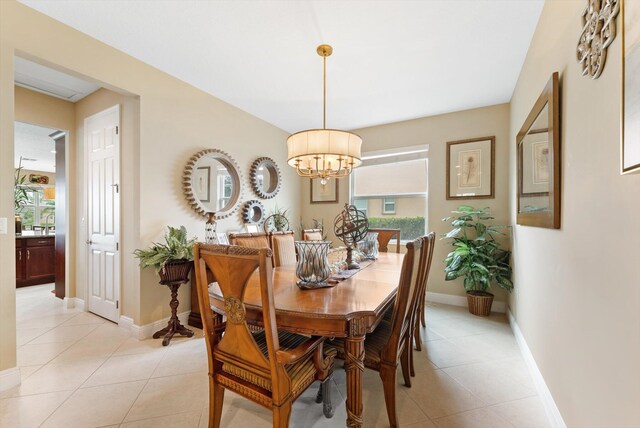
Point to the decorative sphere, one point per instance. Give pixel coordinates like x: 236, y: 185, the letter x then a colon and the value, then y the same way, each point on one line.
x: 351, y: 225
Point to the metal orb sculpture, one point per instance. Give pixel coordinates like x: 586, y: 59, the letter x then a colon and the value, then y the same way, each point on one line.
x: 351, y: 226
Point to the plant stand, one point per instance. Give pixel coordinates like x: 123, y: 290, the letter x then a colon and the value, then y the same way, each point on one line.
x: 173, y: 275
x: 173, y: 326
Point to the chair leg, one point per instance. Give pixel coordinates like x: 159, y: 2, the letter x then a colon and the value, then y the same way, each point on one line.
x: 281, y: 415
x: 422, y: 316
x: 325, y: 390
x: 416, y: 335
x: 388, y: 376
x: 405, y: 362
x: 216, y: 398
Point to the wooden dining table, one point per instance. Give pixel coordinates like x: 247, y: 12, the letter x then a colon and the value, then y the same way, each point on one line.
x: 351, y: 309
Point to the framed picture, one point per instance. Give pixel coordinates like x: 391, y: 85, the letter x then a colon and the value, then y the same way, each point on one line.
x: 222, y: 238
x: 202, y: 183
x: 252, y: 228
x: 324, y: 193
x: 534, y: 167
x: 630, y: 150
x: 38, y: 179
x: 471, y: 168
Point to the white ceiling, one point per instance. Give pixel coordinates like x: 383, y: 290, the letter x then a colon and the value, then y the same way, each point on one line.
x: 33, y: 143
x: 392, y: 61
x: 51, y: 82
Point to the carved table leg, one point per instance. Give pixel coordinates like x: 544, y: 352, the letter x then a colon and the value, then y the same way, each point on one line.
x: 354, y: 363
x: 173, y: 326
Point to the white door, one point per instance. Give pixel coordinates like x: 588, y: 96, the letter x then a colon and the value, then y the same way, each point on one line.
x: 102, y: 145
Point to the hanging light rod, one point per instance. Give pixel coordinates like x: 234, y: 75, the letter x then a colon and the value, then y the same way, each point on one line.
x: 324, y: 153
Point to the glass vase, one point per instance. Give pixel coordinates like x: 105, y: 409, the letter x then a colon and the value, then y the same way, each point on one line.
x: 369, y: 246
x: 312, y: 269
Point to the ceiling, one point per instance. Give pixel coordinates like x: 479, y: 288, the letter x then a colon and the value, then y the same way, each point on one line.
x: 33, y: 143
x: 392, y: 60
x: 51, y: 82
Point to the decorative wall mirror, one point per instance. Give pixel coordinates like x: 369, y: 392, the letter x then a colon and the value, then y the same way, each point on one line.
x: 265, y: 177
x: 538, y: 163
x: 253, y: 212
x: 212, y: 182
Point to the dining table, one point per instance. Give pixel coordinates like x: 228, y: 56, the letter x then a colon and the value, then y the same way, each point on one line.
x: 350, y: 309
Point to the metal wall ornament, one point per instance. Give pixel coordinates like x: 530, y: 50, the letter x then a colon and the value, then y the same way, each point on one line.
x: 253, y: 212
x: 227, y: 183
x: 265, y: 177
x: 598, y: 32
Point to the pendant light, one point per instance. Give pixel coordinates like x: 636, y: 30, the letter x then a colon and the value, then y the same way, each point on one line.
x: 324, y: 153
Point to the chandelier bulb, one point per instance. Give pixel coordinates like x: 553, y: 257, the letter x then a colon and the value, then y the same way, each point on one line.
x: 323, y: 181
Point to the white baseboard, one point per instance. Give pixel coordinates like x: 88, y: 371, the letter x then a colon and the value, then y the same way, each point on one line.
x: 142, y: 332
x: 9, y: 378
x: 553, y: 413
x: 450, y: 299
x: 73, y: 302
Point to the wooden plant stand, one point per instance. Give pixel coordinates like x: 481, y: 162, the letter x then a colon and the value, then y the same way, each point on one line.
x: 174, y: 276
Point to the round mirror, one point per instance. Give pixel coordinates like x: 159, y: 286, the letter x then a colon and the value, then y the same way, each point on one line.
x: 212, y: 183
x: 265, y: 177
x: 253, y: 212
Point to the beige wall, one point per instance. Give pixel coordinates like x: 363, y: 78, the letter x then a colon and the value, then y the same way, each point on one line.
x: 577, y: 295
x: 405, y: 207
x: 436, y: 131
x: 176, y: 120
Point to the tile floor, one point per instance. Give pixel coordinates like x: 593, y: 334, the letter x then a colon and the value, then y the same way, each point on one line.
x: 79, y: 370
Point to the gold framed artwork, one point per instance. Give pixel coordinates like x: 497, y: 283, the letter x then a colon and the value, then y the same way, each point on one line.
x: 630, y: 138
x: 38, y: 179
x: 471, y: 168
x: 324, y: 193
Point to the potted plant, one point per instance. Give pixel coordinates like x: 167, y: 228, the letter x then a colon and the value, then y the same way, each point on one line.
x: 477, y: 257
x: 21, y: 194
x: 173, y: 259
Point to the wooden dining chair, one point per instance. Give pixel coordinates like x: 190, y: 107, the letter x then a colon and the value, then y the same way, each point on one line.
x: 384, y: 236
x: 312, y: 235
x: 284, y: 248
x: 270, y: 367
x: 253, y: 240
x: 390, y: 343
x: 419, y: 304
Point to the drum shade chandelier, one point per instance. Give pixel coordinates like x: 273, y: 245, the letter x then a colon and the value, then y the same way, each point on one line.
x: 324, y: 153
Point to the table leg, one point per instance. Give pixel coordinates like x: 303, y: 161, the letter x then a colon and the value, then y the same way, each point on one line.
x: 354, y: 363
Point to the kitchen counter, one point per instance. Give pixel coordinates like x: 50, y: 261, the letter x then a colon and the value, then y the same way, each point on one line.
x: 51, y: 235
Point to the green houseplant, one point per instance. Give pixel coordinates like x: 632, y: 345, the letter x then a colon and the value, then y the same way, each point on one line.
x: 172, y: 259
x: 21, y: 191
x: 477, y: 257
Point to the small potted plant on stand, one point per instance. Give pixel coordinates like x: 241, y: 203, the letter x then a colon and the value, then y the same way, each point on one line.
x: 173, y: 261
x: 477, y: 257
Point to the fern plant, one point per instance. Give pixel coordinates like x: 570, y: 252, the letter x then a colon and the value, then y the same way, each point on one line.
x: 477, y: 255
x: 21, y: 188
x: 175, y: 248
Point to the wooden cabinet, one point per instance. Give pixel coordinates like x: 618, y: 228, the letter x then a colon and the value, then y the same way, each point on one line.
x: 35, y: 260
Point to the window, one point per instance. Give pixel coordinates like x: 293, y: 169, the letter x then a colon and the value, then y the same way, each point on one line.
x: 388, y: 206
x: 362, y: 205
x: 35, y: 211
x: 225, y: 189
x: 391, y: 188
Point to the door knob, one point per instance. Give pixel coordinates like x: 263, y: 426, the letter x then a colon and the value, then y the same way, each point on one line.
x: 89, y: 242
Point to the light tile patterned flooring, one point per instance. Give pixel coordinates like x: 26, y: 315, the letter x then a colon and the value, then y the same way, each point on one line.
x: 79, y: 370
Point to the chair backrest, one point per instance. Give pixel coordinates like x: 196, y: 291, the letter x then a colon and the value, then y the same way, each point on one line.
x: 252, y: 240
x: 233, y: 266
x: 312, y: 235
x: 426, y: 256
x: 384, y: 236
x: 402, y: 310
x: 284, y: 248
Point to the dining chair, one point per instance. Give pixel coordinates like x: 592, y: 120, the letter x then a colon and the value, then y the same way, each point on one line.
x: 284, y: 248
x: 270, y: 367
x: 312, y: 235
x: 421, y: 293
x: 253, y: 240
x: 384, y: 236
x: 390, y: 343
